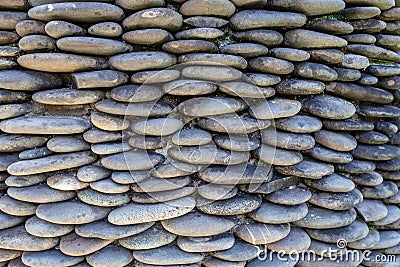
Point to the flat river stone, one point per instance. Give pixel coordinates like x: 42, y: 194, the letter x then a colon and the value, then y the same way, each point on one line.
x: 309, y: 39
x: 329, y: 107
x: 18, y: 239
x: 66, y: 96
x: 320, y: 218
x: 206, y: 244
x: 28, y: 80
x: 240, y: 204
x: 39, y: 194
x: 253, y: 19
x: 60, y: 62
x: 38, y: 227
x: 83, y: 12
x: 196, y: 224
x: 136, y: 61
x: 132, y: 160
x: 163, y: 18
x: 336, y: 141
x: 74, y: 245
x: 71, y: 212
x: 52, y: 257
x: 52, y: 163
x: 15, y: 143
x: 140, y: 213
x: 258, y: 233
x: 278, y: 214
x: 206, y: 106
x: 360, y: 93
x: 110, y: 255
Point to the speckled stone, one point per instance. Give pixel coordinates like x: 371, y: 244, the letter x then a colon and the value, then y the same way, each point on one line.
x: 74, y: 245
x: 70, y: 213
x: 241, y: 251
x: 139, y: 213
x: 292, y: 195
x: 307, y: 169
x: 15, y: 207
x: 52, y: 257
x: 41, y: 228
x: 240, y: 204
x: 154, y: 237
x: 39, y: 194
x: 336, y: 201
x: 258, y: 233
x: 367, y: 242
x: 372, y: 210
x: 163, y: 18
x: 299, y: 124
x: 320, y: 218
x: 332, y: 183
x: 336, y: 141
x: 277, y: 214
x: 328, y: 155
x: 196, y: 224
x: 167, y: 255
x: 384, y: 190
x: 8, y: 221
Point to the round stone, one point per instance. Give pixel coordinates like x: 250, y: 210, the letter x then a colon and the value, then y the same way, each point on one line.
x: 167, y: 255
x: 163, y: 18
x: 136, y: 61
x: 316, y: 71
x: 241, y: 251
x: 332, y: 183
x: 328, y: 155
x: 300, y: 87
x: 70, y: 213
x: 52, y: 257
x: 191, y: 137
x: 212, y: 73
x: 60, y: 28
x: 41, y: 228
x: 189, y: 46
x: 300, y: 38
x: 154, y: 237
x: 336, y: 201
x: 297, y: 240
x: 140, y: 213
x: 245, y: 49
x: 336, y: 141
x: 320, y: 218
x: 93, y: 197
x: 307, y: 169
x: 277, y: 214
x: 106, y: 29
x: 111, y: 255
x: 299, y: 124
x: 74, y: 245
x: 157, y: 127
x: 329, y: 107
x: 207, y: 106
x: 15, y: 207
x: 132, y: 161
x: 259, y: 233
x: 372, y: 210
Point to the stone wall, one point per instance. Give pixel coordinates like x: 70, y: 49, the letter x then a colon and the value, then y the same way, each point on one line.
x: 195, y: 133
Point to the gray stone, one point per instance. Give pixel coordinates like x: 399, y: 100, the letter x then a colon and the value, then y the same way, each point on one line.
x: 236, y: 174
x: 136, y: 61
x: 311, y: 7
x: 237, y: 142
x: 106, y: 29
x: 316, y: 71
x: 384, y: 190
x: 285, y: 140
x: 155, y: 76
x: 331, y: 26
x: 319, y: 218
x: 147, y: 37
x: 360, y: 93
x: 263, y: 79
x: 189, y: 46
x: 22, y: 80
x: 245, y: 49
x: 51, y: 257
x: 66, y: 96
x: 387, y: 239
x: 275, y: 108
x: 108, y: 186
x: 307, y: 169
x: 259, y: 233
x: 348, y: 75
x: 332, y: 183
x: 290, y: 54
x: 300, y: 87
x: 159, y: 185
x: 7, y: 37
x: 99, y: 79
x: 189, y: 87
x: 142, y: 109
x: 392, y: 216
x: 157, y: 126
x: 214, y: 59
x: 352, y: 232
x: 18, y: 239
x: 368, y: 25
x: 162, y: 196
x: 217, y: 192
x: 15, y: 143
x: 214, y: 262
x: 376, y: 152
x: 67, y: 144
x: 383, y: 70
x: 292, y: 195
x: 15, y: 207
x: 99, y: 136
x: 367, y: 242
x: 8, y: 97
x: 105, y: 230
x: 41, y: 228
x: 174, y: 169
x: 212, y: 73
x: 371, y: 210
x: 140, y: 213
x: 264, y: 37
x: 70, y: 213
x: 163, y: 18
x: 367, y: 12
x: 132, y: 160
x: 51, y: 163
x: 59, y: 29
x: 384, y: 111
x: 336, y: 141
x: 39, y: 194
x: 27, y: 180
x: 278, y: 157
x: 93, y: 197
x: 329, y: 155
x: 357, y: 166
x: 253, y: 19
x: 372, y: 138
x: 27, y: 27
x: 223, y: 8
x: 246, y: 90
x: 309, y: 39
x: 200, y: 33
x: 92, y: 173
x: 299, y: 124
x: 206, y: 106
x: 329, y: 107
x: 297, y: 240
x: 271, y: 65
x: 110, y: 148
x: 348, y: 125
x: 233, y: 125
x: 206, y: 244
x: 374, y: 52
x: 327, y: 56
x: 130, y: 177
x: 361, y: 38
x: 110, y: 255
x: 154, y: 237
x: 240, y: 204
x: 204, y: 21
x: 60, y: 62
x: 78, y: 12
x: 8, y: 221
x: 8, y: 255
x: 167, y: 255
x: 74, y: 245
x: 367, y: 79
x: 32, y: 43
x: 367, y: 179
x: 336, y: 201
x: 278, y: 214
x: 241, y: 251
x: 139, y: 4
x: 196, y: 224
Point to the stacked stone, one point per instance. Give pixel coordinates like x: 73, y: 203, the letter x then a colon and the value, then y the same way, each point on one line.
x: 197, y: 133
